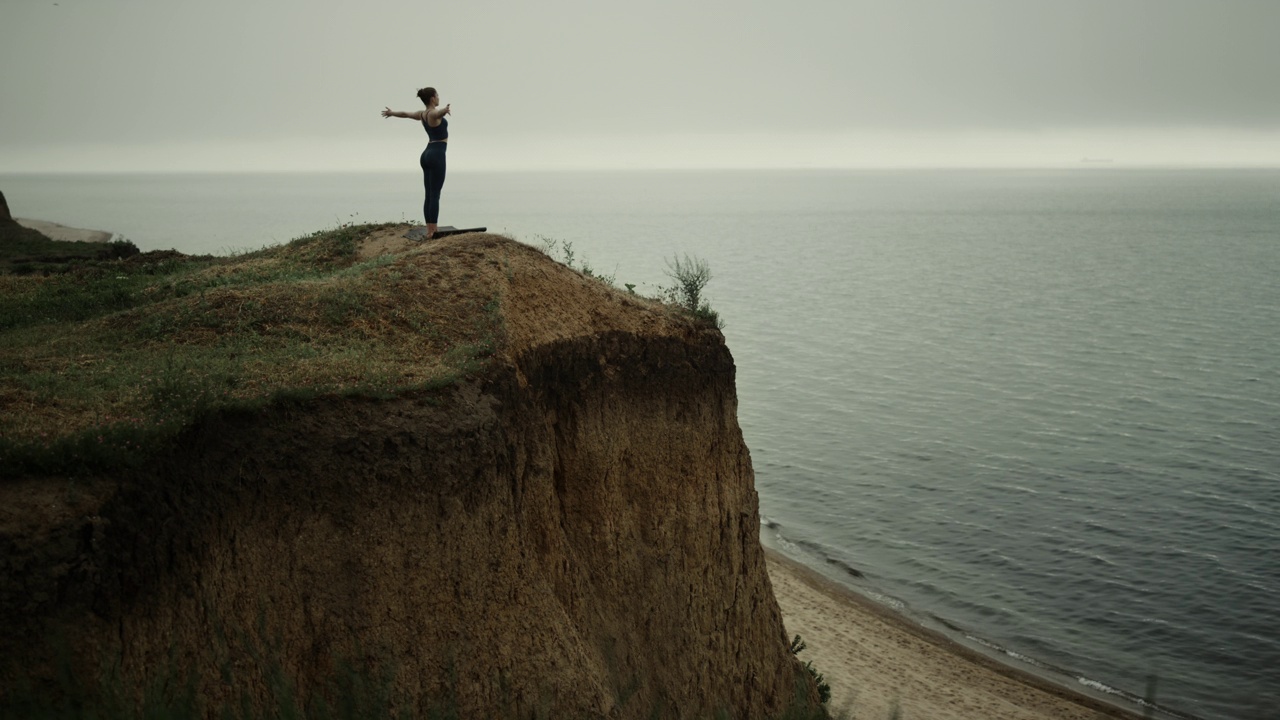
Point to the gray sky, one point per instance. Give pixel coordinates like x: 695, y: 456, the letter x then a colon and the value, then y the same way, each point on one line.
x: 178, y: 85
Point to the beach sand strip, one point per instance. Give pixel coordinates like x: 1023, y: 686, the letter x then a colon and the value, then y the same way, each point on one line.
x: 876, y: 660
x: 54, y: 231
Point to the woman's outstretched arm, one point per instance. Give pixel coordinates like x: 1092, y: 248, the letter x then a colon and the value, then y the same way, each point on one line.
x: 438, y: 113
x: 415, y: 115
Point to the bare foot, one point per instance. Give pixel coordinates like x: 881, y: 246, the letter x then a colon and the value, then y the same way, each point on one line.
x: 431, y: 230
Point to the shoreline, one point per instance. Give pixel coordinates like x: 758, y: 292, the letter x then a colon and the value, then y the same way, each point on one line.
x: 65, y: 233
x: 876, y: 659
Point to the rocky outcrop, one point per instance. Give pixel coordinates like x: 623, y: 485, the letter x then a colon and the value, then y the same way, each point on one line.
x: 572, y: 530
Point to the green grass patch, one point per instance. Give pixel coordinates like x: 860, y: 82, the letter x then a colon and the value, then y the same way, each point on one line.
x: 102, y: 366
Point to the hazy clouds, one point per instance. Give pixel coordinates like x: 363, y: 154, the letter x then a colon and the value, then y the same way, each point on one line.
x: 145, y: 84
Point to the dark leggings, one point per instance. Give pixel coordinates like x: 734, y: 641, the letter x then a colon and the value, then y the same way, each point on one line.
x: 432, y: 162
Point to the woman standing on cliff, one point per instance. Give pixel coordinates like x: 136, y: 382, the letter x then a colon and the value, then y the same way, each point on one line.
x: 432, y: 160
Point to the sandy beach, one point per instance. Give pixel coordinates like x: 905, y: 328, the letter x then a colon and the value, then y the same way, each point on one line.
x: 54, y: 231
x: 875, y: 660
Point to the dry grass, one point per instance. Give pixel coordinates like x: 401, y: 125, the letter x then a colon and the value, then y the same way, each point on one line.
x: 119, y: 347
x: 102, y: 363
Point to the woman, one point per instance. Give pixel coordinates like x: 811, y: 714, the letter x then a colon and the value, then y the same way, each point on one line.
x: 432, y: 160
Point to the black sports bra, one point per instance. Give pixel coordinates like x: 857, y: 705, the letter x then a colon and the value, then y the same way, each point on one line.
x: 441, y: 132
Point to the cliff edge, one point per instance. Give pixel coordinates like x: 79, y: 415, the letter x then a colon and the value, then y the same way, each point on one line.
x: 30, y: 246
x: 544, y: 506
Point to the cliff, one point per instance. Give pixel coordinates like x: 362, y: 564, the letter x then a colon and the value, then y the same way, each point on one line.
x: 10, y: 231
x: 29, y: 248
x: 545, y: 506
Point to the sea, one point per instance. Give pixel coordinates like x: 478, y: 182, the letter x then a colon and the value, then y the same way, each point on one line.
x: 1036, y: 409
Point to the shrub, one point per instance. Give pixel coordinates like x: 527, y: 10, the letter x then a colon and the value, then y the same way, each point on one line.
x: 691, y: 276
x: 824, y: 689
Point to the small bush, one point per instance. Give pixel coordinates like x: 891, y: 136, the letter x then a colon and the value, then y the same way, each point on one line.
x: 590, y: 272
x: 563, y: 252
x: 691, y: 276
x: 824, y: 689
x: 120, y: 249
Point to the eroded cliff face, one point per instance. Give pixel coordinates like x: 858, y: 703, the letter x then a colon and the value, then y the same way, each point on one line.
x: 572, y: 530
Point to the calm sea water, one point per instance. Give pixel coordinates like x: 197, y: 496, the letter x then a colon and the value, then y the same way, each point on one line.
x: 1041, y: 408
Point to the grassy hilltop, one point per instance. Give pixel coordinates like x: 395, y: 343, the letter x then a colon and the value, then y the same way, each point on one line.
x: 100, y: 360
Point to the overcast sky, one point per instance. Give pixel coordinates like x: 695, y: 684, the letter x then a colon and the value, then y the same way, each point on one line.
x: 177, y: 85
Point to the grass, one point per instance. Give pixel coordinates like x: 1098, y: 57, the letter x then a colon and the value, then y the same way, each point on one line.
x: 104, y: 363
x: 690, y: 275
x: 25, y: 251
x: 824, y: 688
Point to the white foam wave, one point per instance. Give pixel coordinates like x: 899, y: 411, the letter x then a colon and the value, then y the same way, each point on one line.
x: 1095, y: 685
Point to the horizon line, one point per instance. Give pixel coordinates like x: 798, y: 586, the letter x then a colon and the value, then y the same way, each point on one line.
x: 1093, y: 166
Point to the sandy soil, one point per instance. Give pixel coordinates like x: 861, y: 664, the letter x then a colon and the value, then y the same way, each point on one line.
x: 387, y: 241
x: 874, y: 659
x: 54, y: 231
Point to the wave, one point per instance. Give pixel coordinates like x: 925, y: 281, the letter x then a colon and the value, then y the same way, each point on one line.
x: 1095, y: 685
